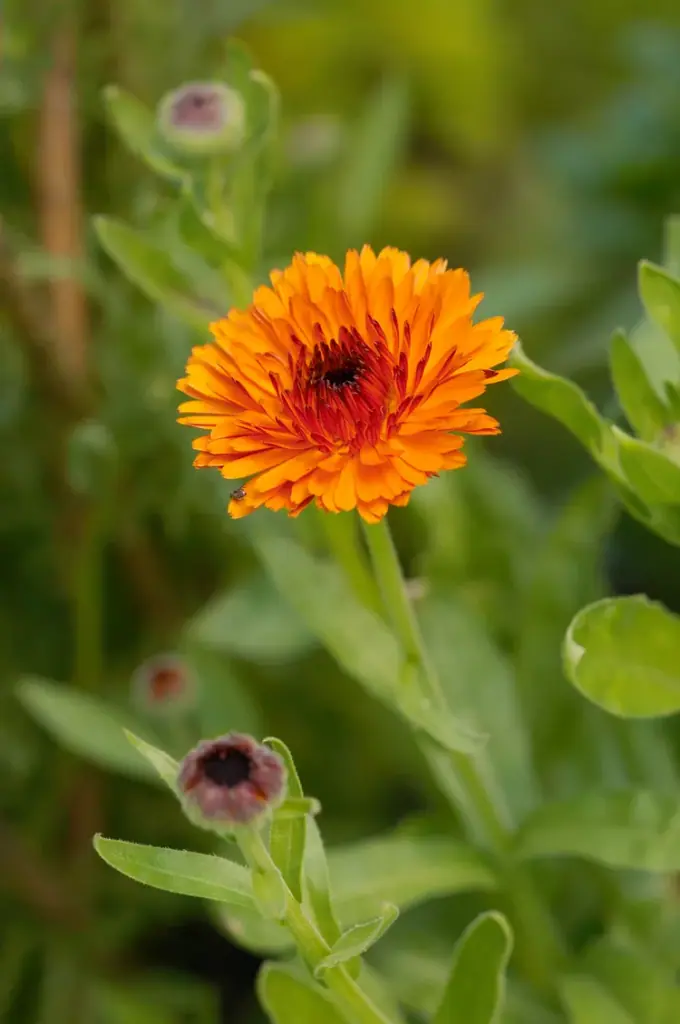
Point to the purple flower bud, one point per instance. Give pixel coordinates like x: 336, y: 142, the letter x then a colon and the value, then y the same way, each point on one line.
x: 230, y: 781
x: 164, y: 683
x: 203, y: 118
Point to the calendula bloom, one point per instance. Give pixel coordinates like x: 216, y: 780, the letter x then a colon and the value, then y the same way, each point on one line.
x: 344, y: 388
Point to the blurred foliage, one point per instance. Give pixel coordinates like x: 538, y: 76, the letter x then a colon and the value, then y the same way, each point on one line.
x: 537, y: 144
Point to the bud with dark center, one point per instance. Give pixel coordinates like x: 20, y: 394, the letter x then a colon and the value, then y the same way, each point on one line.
x: 203, y: 118
x: 231, y: 781
x: 164, y: 683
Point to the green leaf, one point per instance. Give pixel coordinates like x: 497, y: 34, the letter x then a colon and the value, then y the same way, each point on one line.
x: 163, y: 765
x: 251, y: 621
x: 654, y: 476
x: 251, y: 931
x: 475, y: 990
x: 269, y: 890
x: 180, y: 871
x: 224, y: 702
x: 636, y: 829
x: 660, y: 293
x: 149, y: 266
x: 587, y: 1002
x: 404, y: 870
x: 84, y: 725
x: 644, y: 410
x: 287, y: 833
x: 136, y: 125
x: 566, y: 402
x: 372, y: 157
x: 624, y: 654
x: 358, y: 939
x: 290, y: 997
x: 637, y: 978
x: 357, y: 638
x: 316, y: 883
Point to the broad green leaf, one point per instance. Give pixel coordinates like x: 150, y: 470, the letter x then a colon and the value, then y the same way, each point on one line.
x: 404, y: 870
x: 654, y: 476
x: 136, y: 125
x: 289, y: 996
x: 150, y: 267
x: 660, y: 293
x: 316, y: 883
x: 165, y: 766
x: 644, y: 410
x: 358, y: 939
x: 84, y: 725
x: 566, y: 402
x: 180, y: 871
x: 224, y: 703
x: 356, y: 637
x: 371, y: 159
x: 251, y: 621
x: 287, y: 833
x: 475, y: 990
x: 269, y: 890
x: 587, y: 1002
x: 624, y: 654
x: 636, y: 829
x: 464, y: 653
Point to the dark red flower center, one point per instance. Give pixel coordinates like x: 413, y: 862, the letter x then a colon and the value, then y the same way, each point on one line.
x: 228, y: 768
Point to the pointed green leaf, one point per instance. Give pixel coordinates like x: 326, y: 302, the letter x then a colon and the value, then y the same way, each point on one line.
x: 253, y: 932
x: 136, y: 125
x: 289, y: 996
x: 358, y: 939
x: 149, y: 266
x: 180, y: 871
x: 624, y: 654
x: 475, y: 990
x: 404, y: 870
x: 316, y: 883
x: 84, y: 725
x: 644, y: 410
x: 653, y: 475
x: 287, y: 833
x: 660, y: 293
x: 636, y: 829
x: 587, y: 1002
x: 165, y: 766
x: 269, y: 890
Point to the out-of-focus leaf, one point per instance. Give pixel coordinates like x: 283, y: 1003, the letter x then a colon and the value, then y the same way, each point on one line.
x: 475, y: 990
x: 291, y: 997
x: 404, y: 870
x: 316, y: 882
x: 165, y: 767
x: 660, y: 293
x: 372, y: 157
x: 84, y: 725
x: 478, y: 683
x: 180, y: 871
x: 644, y: 410
x: 287, y: 834
x: 250, y: 930
x: 150, y: 267
x: 587, y: 1002
x: 136, y: 125
x: 224, y: 703
x: 358, y: 939
x: 622, y: 653
x: 643, y: 985
x: 636, y: 829
x: 251, y: 621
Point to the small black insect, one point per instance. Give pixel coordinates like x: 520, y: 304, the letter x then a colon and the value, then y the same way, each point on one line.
x: 238, y: 495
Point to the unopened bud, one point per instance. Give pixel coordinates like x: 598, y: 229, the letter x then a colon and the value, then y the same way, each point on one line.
x: 164, y: 684
x: 231, y: 781
x: 203, y: 118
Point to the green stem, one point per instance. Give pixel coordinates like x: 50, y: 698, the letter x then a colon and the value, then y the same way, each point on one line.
x: 355, y: 1004
x: 88, y: 604
x: 463, y: 778
x: 341, y: 533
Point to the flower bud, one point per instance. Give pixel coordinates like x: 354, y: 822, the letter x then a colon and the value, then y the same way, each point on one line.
x: 230, y: 781
x: 203, y: 118
x: 164, y: 684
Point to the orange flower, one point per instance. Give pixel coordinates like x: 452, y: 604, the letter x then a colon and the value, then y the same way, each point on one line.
x: 344, y: 389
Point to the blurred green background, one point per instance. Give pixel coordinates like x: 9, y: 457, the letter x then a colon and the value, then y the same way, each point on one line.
x: 536, y: 144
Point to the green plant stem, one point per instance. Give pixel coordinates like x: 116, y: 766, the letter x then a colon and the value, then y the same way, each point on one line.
x: 343, y: 541
x: 87, y: 603
x: 463, y: 778
x: 354, y: 1003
